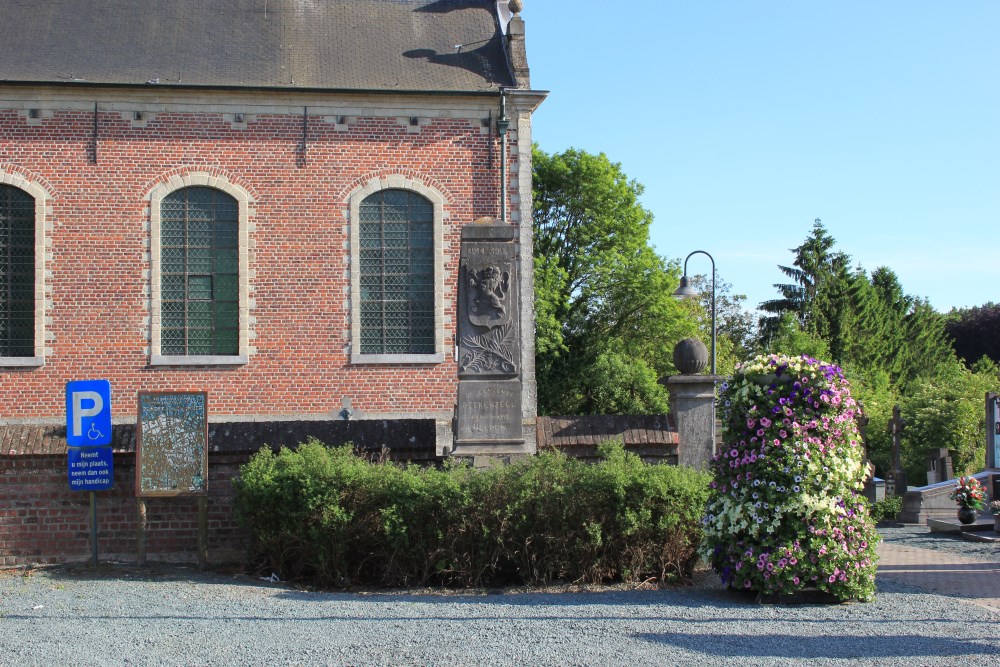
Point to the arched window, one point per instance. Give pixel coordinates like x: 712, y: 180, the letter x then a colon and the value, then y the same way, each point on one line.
x: 199, y: 273
x: 17, y: 273
x: 396, y: 273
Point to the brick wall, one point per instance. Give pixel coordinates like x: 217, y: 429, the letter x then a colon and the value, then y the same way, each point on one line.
x: 97, y: 313
x: 42, y: 521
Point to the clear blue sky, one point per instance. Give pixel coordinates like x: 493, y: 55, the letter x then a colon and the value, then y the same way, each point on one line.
x: 746, y: 120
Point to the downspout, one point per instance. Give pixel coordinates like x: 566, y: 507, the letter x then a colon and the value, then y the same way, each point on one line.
x: 502, y: 125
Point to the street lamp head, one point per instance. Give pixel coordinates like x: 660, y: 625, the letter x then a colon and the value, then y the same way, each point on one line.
x: 685, y: 290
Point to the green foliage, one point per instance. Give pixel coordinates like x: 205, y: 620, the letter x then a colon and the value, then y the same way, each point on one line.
x: 976, y: 332
x: 894, y: 343
x: 619, y: 384
x: 869, y: 325
x: 603, y: 297
x: 736, y: 328
x: 948, y: 410
x: 325, y: 516
x: 877, y: 396
x: 887, y: 508
x: 788, y: 336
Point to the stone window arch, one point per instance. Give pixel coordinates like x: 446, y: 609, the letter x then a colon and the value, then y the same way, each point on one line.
x: 199, y: 282
x: 22, y: 271
x: 397, y: 308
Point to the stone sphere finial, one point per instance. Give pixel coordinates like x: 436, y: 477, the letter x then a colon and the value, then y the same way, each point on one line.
x: 515, y: 6
x: 690, y: 356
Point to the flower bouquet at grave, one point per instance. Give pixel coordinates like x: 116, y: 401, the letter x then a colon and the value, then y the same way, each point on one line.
x: 969, y: 493
x: 786, y: 511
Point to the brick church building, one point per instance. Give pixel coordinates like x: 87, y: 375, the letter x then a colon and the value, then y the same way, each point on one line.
x: 263, y: 200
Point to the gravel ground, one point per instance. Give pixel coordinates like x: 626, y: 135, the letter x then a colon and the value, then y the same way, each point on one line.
x: 172, y: 615
x: 910, y: 535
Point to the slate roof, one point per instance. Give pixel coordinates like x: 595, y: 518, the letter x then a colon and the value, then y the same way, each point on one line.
x: 369, y: 45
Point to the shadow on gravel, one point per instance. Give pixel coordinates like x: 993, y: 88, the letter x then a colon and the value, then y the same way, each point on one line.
x: 154, y: 572
x: 797, y: 647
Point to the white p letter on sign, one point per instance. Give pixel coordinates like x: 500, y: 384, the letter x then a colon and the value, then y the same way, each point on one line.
x: 79, y: 412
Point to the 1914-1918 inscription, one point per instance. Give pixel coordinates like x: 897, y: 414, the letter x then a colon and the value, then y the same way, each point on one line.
x: 488, y: 415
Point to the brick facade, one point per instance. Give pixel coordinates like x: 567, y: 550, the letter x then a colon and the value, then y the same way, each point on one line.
x: 41, y: 521
x: 299, y: 175
x: 297, y: 125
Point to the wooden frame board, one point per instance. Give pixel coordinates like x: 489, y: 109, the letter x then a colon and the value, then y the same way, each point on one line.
x: 171, y: 444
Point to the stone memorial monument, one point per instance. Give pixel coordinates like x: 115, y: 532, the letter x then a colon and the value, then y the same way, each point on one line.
x: 489, y: 416
x: 939, y: 466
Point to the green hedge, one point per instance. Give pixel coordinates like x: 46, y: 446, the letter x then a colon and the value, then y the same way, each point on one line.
x: 327, y: 517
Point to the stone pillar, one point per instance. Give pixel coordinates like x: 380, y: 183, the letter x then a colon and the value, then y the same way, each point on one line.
x: 517, y: 53
x: 692, y: 403
x: 489, y: 420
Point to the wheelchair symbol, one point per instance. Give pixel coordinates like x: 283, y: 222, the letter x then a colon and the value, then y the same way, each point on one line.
x: 93, y: 433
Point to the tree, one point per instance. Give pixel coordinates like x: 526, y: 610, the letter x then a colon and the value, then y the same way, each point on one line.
x: 976, y: 332
x: 789, y: 338
x: 947, y: 410
x: 817, y: 297
x: 603, y: 297
x: 736, y: 328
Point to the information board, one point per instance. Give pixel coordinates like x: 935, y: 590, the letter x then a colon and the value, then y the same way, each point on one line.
x: 172, y: 444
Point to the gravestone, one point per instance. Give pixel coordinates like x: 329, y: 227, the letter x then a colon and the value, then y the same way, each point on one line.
x: 939, y: 467
x: 488, y: 417
x: 992, y: 430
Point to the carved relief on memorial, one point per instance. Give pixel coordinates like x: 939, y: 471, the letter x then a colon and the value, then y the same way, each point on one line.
x: 488, y: 335
x: 489, y: 289
x: 491, y: 352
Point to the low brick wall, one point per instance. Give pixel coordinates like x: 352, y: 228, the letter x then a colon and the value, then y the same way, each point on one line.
x: 43, y: 521
x: 653, y: 438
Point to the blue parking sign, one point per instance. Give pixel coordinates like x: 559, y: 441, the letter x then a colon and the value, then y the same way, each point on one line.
x: 88, y: 413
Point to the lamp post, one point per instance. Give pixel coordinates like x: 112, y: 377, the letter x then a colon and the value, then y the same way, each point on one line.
x: 687, y: 291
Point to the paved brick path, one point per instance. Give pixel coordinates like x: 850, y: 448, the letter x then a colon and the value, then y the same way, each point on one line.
x: 942, y: 572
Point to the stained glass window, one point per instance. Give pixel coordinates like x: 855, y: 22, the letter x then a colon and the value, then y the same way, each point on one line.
x: 17, y: 273
x: 199, y: 273
x: 396, y: 257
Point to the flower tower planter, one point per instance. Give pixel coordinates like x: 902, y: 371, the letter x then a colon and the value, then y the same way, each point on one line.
x: 786, y: 512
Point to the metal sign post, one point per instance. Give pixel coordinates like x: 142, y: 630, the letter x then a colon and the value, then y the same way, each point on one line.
x: 90, y: 463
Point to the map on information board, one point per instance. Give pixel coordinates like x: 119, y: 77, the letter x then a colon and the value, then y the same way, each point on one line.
x: 172, y: 444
